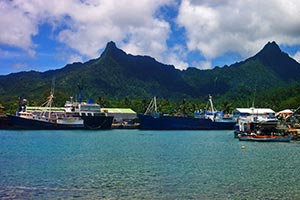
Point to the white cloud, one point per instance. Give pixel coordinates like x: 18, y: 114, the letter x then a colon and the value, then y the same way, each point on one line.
x: 140, y: 27
x: 177, y: 62
x: 238, y: 26
x: 297, y: 56
x: 4, y: 54
x: 88, y: 25
x: 17, y: 28
x: 206, y: 64
x: 176, y: 56
x: 74, y: 58
x: 148, y: 40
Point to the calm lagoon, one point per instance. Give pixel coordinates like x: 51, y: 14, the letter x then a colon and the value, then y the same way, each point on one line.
x: 134, y: 164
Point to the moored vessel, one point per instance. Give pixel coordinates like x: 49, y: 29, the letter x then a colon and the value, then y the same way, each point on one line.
x: 74, y: 115
x: 260, y: 125
x: 90, y: 113
x: 201, y: 121
x: 265, y: 138
x: 44, y: 117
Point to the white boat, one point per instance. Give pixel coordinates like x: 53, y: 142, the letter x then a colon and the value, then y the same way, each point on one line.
x: 43, y: 117
x: 213, y: 114
x: 257, y: 121
x: 91, y: 114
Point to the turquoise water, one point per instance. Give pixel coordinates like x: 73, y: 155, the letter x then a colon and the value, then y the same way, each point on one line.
x: 133, y: 164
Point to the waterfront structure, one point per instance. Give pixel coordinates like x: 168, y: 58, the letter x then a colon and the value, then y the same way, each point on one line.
x: 120, y: 114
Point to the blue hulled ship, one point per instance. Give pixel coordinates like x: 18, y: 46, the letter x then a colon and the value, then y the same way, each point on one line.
x: 212, y: 120
x: 150, y: 122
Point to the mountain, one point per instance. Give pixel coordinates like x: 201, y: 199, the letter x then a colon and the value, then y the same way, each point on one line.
x: 269, y: 68
x: 116, y: 74
x: 279, y: 62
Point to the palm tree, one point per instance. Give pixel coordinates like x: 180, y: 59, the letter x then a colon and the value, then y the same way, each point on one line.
x: 2, y: 109
x: 227, y: 107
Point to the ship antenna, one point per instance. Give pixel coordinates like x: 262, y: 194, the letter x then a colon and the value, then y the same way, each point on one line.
x: 254, y: 97
x: 80, y: 87
x: 53, y: 87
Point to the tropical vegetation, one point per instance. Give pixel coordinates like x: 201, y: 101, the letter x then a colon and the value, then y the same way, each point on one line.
x: 117, y: 79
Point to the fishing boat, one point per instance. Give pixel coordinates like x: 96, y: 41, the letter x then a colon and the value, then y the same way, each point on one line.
x: 90, y: 113
x: 43, y: 117
x: 260, y: 125
x: 152, y: 120
x: 253, y: 120
x: 265, y: 138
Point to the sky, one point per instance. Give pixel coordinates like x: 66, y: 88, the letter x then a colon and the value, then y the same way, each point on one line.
x: 44, y: 35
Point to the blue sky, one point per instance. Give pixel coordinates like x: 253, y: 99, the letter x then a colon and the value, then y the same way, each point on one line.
x: 42, y: 35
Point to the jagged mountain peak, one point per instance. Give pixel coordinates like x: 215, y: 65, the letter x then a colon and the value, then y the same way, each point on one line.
x: 271, y: 48
x: 111, y: 49
x: 279, y: 62
x: 111, y: 45
x: 272, y: 45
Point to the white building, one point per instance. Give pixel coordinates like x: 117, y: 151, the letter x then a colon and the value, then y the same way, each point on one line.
x: 120, y: 114
x: 259, y: 112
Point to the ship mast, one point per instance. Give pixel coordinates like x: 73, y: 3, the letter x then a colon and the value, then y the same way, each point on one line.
x: 152, y: 106
x: 211, y: 104
x: 49, y: 102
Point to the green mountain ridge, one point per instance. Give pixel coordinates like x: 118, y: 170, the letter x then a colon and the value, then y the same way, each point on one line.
x: 117, y: 75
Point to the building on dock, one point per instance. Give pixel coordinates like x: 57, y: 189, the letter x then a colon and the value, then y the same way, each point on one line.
x: 120, y: 115
x: 261, y: 113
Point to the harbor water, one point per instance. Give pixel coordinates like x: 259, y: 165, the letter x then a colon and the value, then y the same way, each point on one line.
x: 134, y: 164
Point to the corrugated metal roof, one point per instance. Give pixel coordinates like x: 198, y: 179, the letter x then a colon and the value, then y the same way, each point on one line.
x: 118, y: 110
x: 288, y: 111
x: 255, y: 110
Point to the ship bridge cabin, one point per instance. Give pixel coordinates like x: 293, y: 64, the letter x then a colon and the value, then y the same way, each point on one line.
x: 83, y: 109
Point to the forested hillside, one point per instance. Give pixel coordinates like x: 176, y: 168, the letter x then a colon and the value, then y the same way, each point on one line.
x: 117, y: 79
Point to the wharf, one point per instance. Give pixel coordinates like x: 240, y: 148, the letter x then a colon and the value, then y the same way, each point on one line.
x: 125, y: 126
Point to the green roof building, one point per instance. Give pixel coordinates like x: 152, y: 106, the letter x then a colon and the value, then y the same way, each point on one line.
x: 120, y: 114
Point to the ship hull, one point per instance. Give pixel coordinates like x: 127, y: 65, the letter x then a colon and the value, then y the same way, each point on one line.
x: 89, y: 122
x: 149, y: 122
x: 97, y: 122
x: 266, y: 138
x: 16, y: 122
x: 4, y: 122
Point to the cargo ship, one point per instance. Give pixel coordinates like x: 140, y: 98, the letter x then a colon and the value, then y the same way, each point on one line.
x: 205, y: 120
